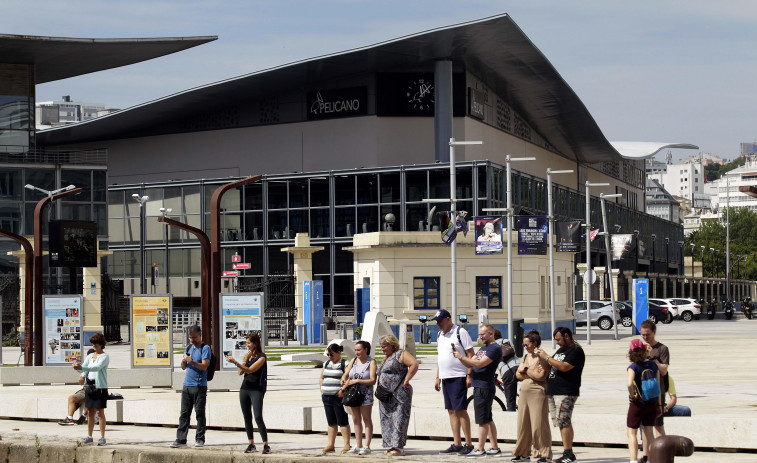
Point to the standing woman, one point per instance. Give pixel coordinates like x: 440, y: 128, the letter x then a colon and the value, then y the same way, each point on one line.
x: 640, y: 412
x: 331, y: 394
x: 95, y: 386
x: 251, y: 393
x: 533, y: 423
x: 397, y: 369
x: 362, y: 371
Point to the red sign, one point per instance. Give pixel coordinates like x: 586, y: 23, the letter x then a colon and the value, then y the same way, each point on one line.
x: 241, y: 266
x: 236, y: 258
x: 231, y: 273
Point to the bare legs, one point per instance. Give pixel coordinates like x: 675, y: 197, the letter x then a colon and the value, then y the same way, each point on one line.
x: 458, y: 419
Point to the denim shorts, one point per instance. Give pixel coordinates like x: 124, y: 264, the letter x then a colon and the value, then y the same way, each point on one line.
x: 482, y: 404
x: 335, y: 414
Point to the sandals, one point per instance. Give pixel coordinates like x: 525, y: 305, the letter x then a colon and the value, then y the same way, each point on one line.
x: 395, y: 452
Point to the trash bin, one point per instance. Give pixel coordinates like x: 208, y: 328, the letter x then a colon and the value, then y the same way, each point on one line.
x: 518, y: 336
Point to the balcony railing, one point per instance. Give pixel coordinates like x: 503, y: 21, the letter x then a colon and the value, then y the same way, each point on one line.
x: 10, y: 155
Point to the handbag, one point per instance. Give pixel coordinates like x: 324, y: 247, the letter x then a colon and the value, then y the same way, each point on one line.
x: 384, y: 394
x: 353, y: 396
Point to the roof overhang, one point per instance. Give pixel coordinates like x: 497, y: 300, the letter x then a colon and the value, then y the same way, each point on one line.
x: 56, y: 58
x: 646, y: 149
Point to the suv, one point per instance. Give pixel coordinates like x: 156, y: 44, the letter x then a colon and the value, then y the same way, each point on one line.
x: 602, y: 314
x: 656, y: 313
x: 688, y: 309
x: 668, y: 304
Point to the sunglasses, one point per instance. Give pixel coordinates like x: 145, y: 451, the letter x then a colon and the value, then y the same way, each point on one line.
x: 526, y: 345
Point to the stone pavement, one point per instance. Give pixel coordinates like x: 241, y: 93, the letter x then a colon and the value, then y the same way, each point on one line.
x: 709, y: 361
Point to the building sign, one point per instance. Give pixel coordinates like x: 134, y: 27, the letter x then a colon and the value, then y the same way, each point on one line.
x: 477, y: 101
x: 73, y: 243
x: 488, y: 235
x: 63, y: 329
x: 569, y: 236
x: 532, y: 235
x: 241, y: 315
x: 343, y: 102
x: 151, y: 333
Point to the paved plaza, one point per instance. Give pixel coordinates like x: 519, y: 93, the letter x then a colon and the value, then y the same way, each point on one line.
x: 709, y: 361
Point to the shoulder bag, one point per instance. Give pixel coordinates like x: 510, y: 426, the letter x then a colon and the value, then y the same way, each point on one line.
x: 384, y: 394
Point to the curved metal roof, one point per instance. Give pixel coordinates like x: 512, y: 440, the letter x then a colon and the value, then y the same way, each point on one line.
x: 494, y: 49
x: 56, y: 58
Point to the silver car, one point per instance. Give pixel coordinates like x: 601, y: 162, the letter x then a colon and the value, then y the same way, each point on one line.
x: 602, y: 314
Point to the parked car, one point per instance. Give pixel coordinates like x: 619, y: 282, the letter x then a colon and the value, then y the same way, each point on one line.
x: 656, y: 313
x: 688, y: 309
x: 672, y: 308
x: 603, y: 314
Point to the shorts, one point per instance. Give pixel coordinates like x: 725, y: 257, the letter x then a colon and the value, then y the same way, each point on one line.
x: 335, y: 414
x: 455, y: 391
x: 562, y: 413
x: 659, y: 421
x: 482, y: 404
x: 79, y: 395
x: 641, y: 414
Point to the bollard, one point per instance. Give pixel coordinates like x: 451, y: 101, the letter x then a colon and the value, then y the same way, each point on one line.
x: 344, y: 331
x: 284, y: 337
x: 664, y: 449
x: 323, y: 334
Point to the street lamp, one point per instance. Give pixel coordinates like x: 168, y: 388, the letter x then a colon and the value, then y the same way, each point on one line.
x: 636, y: 267
x: 608, y: 257
x: 702, y: 259
x: 680, y: 265
x: 712, y: 261
x: 692, y: 262
x: 589, y: 273
x: 654, y: 260
x: 142, y: 272
x: 667, y: 257
x: 551, y: 221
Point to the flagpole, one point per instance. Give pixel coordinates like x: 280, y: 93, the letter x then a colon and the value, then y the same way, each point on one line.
x: 588, y: 274
x: 550, y: 244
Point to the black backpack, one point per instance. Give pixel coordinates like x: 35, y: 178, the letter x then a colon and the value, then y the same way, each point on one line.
x: 211, y: 370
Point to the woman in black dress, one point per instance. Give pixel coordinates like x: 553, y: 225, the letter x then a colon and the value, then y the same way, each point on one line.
x: 95, y: 386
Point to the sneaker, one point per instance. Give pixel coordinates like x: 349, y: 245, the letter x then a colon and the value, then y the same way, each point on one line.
x: 476, y: 453
x: 543, y: 460
x: 452, y: 449
x: 250, y: 448
x: 87, y: 440
x: 364, y: 451
x: 82, y: 419
x: 521, y: 459
x: 352, y: 449
x: 565, y: 459
x: 266, y: 449
x: 492, y: 451
x: 466, y: 449
x: 67, y: 422
x: 199, y: 443
x: 178, y: 444
x: 101, y: 441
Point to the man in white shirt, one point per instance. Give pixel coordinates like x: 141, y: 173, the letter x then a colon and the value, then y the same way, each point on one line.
x: 453, y: 379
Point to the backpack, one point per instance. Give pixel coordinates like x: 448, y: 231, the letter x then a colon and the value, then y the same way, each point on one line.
x: 211, y: 370
x: 650, y: 387
x: 507, y: 351
x: 439, y: 334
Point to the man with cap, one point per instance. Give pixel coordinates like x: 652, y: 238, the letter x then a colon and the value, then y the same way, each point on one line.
x: 453, y: 378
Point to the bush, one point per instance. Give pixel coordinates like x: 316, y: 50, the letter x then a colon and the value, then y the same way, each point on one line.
x: 358, y: 332
x: 11, y: 339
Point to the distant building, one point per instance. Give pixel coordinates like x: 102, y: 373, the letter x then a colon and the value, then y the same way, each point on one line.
x: 66, y: 111
x: 728, y: 193
x: 684, y: 179
x: 706, y: 159
x: 660, y: 203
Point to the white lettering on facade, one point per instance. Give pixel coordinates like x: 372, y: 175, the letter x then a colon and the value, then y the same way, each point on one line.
x: 327, y: 107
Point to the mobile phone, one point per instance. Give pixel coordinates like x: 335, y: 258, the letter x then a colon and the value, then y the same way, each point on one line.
x: 453, y: 348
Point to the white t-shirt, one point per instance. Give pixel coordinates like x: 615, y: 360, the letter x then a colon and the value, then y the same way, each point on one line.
x: 449, y: 366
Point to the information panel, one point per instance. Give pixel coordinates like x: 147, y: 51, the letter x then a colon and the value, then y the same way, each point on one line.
x: 640, y: 303
x: 63, y: 329
x: 241, y: 315
x: 151, y: 333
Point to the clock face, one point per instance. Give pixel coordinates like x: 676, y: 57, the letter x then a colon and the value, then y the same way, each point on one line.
x: 420, y: 94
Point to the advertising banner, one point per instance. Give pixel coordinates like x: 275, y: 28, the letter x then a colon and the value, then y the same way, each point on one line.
x: 63, y: 329
x: 532, y: 235
x: 488, y: 235
x: 151, y: 331
x: 640, y: 302
x: 569, y: 236
x: 241, y: 315
x: 73, y: 243
x: 621, y: 246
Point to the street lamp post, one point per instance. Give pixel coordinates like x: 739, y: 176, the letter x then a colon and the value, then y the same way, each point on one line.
x: 654, y: 263
x: 588, y: 274
x: 712, y: 262
x: 551, y: 247
x: 142, y: 272
x: 681, y: 270
x: 608, y: 256
x: 702, y: 259
x: 636, y: 266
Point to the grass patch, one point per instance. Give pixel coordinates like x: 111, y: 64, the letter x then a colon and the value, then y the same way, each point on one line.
x: 296, y: 364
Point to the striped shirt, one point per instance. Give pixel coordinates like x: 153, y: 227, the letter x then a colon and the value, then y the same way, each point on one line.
x: 332, y: 377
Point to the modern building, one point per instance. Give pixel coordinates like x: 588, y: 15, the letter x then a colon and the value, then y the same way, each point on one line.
x: 684, y: 179
x: 67, y: 111
x: 729, y: 194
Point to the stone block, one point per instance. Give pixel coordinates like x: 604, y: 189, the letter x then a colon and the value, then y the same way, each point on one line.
x: 163, y: 455
x: 94, y: 454
x: 23, y: 451
x: 224, y: 380
x: 14, y: 376
x: 153, y: 411
x: 23, y: 406
x: 140, y: 377
x: 285, y: 417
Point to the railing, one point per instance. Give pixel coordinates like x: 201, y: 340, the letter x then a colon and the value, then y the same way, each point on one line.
x: 83, y: 157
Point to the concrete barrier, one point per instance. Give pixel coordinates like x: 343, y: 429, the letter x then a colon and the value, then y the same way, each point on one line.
x: 123, y: 378
x: 223, y: 380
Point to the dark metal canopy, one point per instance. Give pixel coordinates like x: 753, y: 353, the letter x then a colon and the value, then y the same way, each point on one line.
x: 494, y: 49
x: 56, y: 58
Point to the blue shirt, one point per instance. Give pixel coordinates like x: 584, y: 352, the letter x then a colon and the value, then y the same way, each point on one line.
x: 195, y: 376
x: 484, y: 377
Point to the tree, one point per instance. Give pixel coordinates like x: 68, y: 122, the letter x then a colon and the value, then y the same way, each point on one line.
x: 743, y: 241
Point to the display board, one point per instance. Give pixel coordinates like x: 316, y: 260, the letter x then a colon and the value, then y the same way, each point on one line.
x: 73, y: 243
x: 532, y: 235
x: 488, y: 235
x: 640, y: 302
x: 312, y: 299
x: 241, y: 315
x: 151, y: 331
x: 63, y: 329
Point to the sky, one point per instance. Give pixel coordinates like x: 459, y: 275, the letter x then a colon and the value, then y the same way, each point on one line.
x: 682, y: 71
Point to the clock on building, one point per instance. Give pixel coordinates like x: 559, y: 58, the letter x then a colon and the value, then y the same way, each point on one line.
x: 420, y: 94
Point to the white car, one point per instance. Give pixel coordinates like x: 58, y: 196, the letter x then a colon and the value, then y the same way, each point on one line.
x: 602, y: 314
x: 668, y: 304
x: 688, y: 309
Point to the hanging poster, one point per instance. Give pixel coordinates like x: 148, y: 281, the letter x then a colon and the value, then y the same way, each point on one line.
x: 63, y: 329
x: 151, y: 333
x: 532, y: 235
x: 621, y: 246
x: 241, y: 315
x: 488, y: 235
x: 569, y: 236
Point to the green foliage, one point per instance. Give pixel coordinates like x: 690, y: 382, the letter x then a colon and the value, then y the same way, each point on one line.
x: 11, y: 339
x: 743, y: 242
x: 358, y: 332
x: 715, y: 171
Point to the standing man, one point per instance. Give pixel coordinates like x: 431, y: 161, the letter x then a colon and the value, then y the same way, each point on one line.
x: 453, y: 378
x: 508, y: 365
x: 193, y: 394
x: 661, y: 355
x: 484, y: 365
x: 563, y: 385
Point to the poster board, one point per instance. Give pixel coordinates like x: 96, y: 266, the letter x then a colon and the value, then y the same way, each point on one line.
x: 532, y: 235
x: 640, y: 303
x: 488, y: 235
x: 151, y: 330
x: 63, y: 320
x: 241, y: 315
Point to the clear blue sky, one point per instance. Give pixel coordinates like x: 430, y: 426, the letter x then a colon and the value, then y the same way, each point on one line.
x: 673, y: 71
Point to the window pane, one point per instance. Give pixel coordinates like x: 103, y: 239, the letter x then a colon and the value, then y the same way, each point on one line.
x: 99, y: 185
x: 70, y: 211
x: 80, y: 179
x: 439, y: 181
x: 10, y: 217
x: 319, y: 223
x: 10, y: 184
x: 345, y: 221
x: 367, y: 189
x: 253, y: 225
x: 277, y: 223
x: 41, y: 178
x: 101, y: 219
x: 277, y: 194
x: 367, y: 219
x: 416, y: 186
x: 319, y: 191
x: 390, y: 225
x: 116, y: 204
x: 253, y: 196
x: 298, y: 193
x: 390, y: 188
x: 192, y: 199
x: 298, y: 222
x: 344, y: 189
x: 172, y: 199
x: 116, y: 231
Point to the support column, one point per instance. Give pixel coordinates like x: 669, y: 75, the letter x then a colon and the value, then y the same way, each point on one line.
x: 303, y: 269
x: 20, y: 254
x: 442, y: 109
x: 92, y: 297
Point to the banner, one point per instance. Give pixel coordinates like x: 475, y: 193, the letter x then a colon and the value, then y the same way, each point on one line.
x: 568, y: 236
x: 621, y: 246
x: 488, y: 235
x: 151, y: 333
x: 63, y: 329
x: 450, y: 228
x: 532, y: 235
x: 241, y: 315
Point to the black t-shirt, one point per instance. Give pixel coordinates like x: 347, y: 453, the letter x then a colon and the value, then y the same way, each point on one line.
x: 484, y: 377
x: 257, y: 380
x: 567, y: 382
